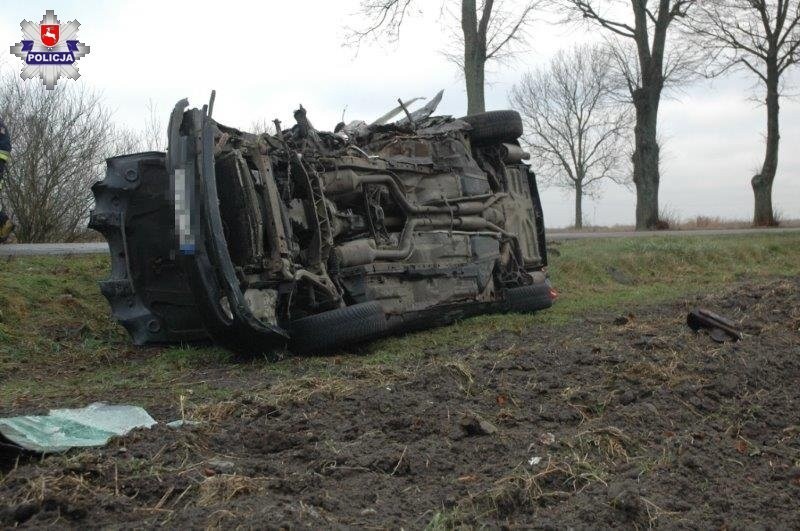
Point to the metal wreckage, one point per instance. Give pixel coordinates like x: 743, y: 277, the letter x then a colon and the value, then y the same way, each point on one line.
x: 315, y: 240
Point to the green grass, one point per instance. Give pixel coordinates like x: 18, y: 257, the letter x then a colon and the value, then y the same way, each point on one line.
x: 658, y: 269
x: 58, y: 344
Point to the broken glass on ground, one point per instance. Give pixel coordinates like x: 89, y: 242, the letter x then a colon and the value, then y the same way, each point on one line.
x: 62, y: 429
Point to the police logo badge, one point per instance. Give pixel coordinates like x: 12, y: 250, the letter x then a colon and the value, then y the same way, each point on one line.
x: 50, y: 50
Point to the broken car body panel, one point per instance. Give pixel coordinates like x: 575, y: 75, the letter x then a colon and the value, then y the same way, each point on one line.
x: 321, y: 239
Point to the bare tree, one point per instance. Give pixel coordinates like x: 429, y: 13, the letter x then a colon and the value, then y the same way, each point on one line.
x: 489, y: 29
x: 154, y: 137
x: 576, y: 128
x: 262, y: 126
x: 60, y: 139
x: 647, y: 28
x: 761, y: 37
x: 151, y: 137
x: 124, y: 140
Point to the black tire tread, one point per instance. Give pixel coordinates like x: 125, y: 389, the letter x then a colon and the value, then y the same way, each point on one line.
x: 494, y: 126
x: 327, y: 331
x: 528, y: 298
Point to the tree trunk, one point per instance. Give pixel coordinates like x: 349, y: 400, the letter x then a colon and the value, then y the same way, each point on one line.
x: 762, y: 192
x: 578, y: 206
x: 645, y: 157
x: 474, y: 76
x: 762, y: 182
x: 474, y: 57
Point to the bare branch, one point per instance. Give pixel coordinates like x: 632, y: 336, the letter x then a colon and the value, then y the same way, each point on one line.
x: 586, y: 9
x: 760, y: 36
x: 511, y: 33
x: 489, y: 29
x: 385, y: 18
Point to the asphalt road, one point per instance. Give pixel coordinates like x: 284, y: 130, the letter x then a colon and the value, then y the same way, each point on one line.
x: 31, y: 249
x: 553, y: 235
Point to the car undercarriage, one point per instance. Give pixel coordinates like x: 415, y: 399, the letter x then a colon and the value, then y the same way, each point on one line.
x: 316, y: 240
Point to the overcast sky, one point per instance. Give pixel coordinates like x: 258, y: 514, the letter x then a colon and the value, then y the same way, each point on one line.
x: 264, y: 58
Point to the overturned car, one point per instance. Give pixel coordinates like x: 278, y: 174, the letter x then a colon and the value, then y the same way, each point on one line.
x: 315, y: 240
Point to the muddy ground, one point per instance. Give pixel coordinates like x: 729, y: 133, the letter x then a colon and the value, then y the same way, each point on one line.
x: 611, y: 421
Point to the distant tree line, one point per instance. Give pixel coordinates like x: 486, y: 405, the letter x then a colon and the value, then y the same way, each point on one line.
x: 591, y: 113
x: 648, y: 45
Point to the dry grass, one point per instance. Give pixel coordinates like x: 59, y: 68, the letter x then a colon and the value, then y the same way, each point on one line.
x: 223, y: 488
x: 211, y: 411
x: 461, y: 370
x: 527, y: 486
x: 587, y: 457
x: 608, y: 441
x: 66, y: 486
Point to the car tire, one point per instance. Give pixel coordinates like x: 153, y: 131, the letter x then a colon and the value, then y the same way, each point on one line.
x: 494, y: 126
x: 528, y: 298
x: 327, y: 331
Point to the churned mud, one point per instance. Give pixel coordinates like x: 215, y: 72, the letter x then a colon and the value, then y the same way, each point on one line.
x: 621, y: 420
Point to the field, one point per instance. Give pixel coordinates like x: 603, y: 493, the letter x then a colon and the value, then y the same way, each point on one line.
x: 604, y: 411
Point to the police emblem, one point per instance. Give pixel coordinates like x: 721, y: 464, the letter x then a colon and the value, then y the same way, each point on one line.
x: 51, y: 50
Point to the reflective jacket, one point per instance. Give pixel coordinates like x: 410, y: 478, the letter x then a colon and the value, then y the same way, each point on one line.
x: 5, y: 142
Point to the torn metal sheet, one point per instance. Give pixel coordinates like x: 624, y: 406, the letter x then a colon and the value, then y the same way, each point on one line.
x: 423, y: 112
x: 62, y: 429
x: 394, y: 112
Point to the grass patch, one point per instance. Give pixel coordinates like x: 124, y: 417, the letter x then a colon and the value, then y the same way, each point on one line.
x: 59, y: 345
x: 611, y: 274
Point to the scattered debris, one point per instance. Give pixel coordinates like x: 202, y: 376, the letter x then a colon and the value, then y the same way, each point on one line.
x: 62, y: 429
x: 535, y: 460
x: 472, y: 424
x: 546, y: 439
x: 721, y: 328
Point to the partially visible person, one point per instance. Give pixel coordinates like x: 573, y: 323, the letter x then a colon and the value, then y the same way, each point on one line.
x: 6, y: 225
